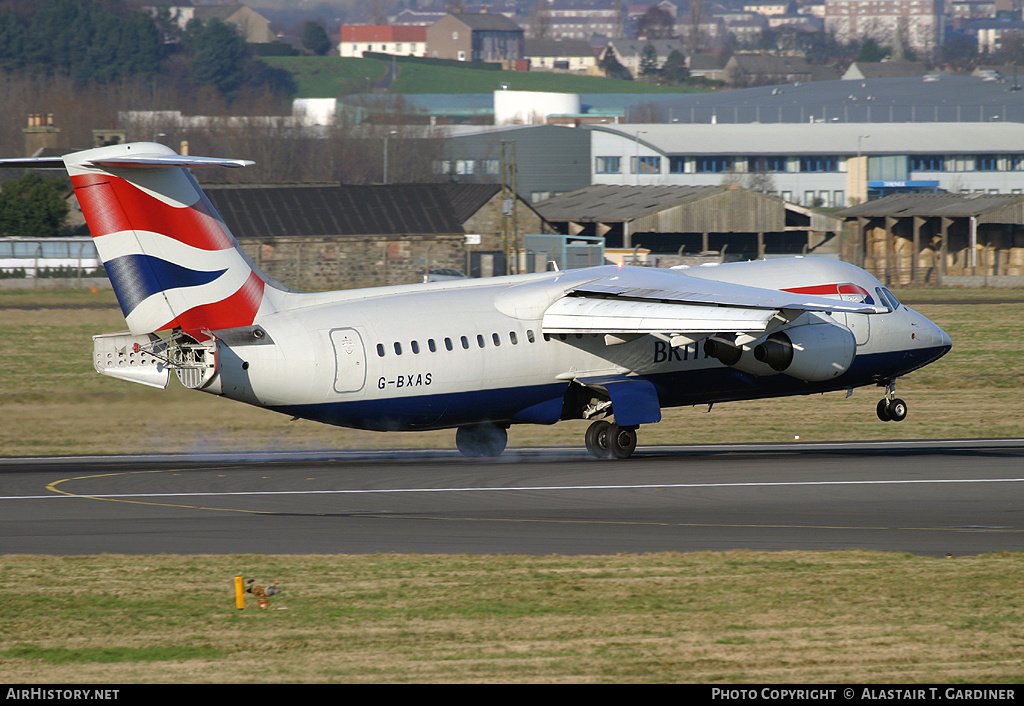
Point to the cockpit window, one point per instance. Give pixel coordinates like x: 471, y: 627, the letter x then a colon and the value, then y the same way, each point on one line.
x: 892, y: 298
x: 888, y: 298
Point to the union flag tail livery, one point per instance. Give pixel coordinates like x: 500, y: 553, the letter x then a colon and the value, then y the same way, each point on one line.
x: 170, y: 258
x: 613, y: 345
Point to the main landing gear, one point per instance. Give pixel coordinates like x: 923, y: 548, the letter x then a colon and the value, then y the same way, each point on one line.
x: 607, y: 440
x: 891, y: 408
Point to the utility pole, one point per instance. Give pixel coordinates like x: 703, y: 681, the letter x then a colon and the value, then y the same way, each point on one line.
x: 509, y: 193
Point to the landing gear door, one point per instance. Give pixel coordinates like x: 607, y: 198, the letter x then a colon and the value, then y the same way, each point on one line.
x: 349, y: 360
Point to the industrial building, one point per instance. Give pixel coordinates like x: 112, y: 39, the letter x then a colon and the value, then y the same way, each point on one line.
x: 815, y: 164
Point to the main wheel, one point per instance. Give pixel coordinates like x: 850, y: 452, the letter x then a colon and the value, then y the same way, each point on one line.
x: 897, y: 410
x: 481, y: 440
x: 597, y: 439
x: 621, y: 441
x: 882, y: 410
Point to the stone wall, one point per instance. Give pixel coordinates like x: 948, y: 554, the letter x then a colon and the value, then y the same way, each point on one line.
x: 350, y: 262
x: 487, y: 222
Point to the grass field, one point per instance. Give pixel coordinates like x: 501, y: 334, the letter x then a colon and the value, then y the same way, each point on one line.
x: 730, y: 617
x: 330, y: 77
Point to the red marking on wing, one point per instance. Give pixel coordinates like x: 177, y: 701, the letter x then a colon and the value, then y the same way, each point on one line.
x: 123, y: 206
x: 239, y: 309
x: 819, y: 289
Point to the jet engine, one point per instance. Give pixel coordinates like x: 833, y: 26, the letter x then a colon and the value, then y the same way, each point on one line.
x: 741, y: 357
x: 812, y: 353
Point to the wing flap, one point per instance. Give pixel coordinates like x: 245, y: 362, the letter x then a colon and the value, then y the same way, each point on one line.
x: 587, y: 315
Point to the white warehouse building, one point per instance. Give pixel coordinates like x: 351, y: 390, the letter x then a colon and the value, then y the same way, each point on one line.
x: 815, y: 164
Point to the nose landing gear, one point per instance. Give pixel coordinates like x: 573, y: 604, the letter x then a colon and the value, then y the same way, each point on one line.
x: 891, y: 408
x: 607, y: 440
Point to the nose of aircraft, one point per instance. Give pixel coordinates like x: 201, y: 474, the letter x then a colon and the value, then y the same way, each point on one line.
x: 937, y: 339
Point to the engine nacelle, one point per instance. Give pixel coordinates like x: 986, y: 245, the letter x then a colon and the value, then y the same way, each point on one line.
x: 814, y: 353
x: 740, y: 357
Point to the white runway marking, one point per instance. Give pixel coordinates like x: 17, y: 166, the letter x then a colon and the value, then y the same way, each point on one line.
x: 505, y: 489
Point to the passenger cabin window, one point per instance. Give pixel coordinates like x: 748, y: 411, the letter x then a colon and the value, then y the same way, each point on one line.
x: 431, y: 345
x: 465, y: 342
x: 398, y: 348
x: 448, y: 344
x: 415, y: 347
x: 529, y: 335
x: 496, y: 338
x: 380, y: 349
x: 480, y: 340
x: 512, y: 337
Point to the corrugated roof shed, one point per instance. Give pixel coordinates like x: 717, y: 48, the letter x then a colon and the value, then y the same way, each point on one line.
x: 1007, y: 208
x: 614, y: 203
x: 346, y: 210
x: 467, y: 199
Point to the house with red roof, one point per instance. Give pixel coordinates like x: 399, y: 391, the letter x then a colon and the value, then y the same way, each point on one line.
x: 402, y: 40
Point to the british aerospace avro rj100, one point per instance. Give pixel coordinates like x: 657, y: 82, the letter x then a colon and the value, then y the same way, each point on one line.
x: 612, y: 344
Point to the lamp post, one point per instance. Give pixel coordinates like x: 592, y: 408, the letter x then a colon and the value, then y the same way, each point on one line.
x: 636, y: 158
x: 862, y: 181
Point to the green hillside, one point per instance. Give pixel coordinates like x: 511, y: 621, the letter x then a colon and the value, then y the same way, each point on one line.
x: 329, y: 77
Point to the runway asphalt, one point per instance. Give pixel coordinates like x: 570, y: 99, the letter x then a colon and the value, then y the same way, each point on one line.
x: 929, y: 498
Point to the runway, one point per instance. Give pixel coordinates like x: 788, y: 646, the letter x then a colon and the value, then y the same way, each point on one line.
x: 929, y: 498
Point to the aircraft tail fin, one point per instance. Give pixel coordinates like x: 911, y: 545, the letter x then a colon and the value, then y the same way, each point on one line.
x: 172, y: 261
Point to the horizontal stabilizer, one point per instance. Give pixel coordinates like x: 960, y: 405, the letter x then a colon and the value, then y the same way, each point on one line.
x: 33, y: 163
x: 141, y: 158
x: 144, y: 161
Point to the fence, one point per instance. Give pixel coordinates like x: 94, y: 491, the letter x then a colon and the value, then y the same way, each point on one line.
x: 29, y: 258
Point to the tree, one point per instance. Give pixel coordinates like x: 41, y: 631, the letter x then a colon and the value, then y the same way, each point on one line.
x: 539, y: 19
x: 222, y: 59
x: 32, y: 207
x: 674, y: 71
x: 315, y: 39
x: 656, y: 23
x: 648, y: 61
x: 84, y: 39
x: 219, y: 55
x: 612, y: 67
x: 871, y: 52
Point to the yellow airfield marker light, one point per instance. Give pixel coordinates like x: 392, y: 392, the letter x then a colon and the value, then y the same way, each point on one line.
x: 239, y: 593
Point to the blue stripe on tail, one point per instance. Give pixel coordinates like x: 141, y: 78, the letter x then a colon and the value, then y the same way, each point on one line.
x: 138, y: 277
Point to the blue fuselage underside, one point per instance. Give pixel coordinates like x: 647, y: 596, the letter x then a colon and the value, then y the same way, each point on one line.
x: 542, y: 403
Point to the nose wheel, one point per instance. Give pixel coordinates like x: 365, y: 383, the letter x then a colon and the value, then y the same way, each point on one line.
x: 891, y: 408
x: 607, y: 440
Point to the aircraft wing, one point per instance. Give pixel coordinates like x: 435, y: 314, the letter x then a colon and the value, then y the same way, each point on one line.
x: 639, y: 301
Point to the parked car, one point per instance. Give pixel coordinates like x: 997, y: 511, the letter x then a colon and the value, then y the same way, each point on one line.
x: 442, y: 274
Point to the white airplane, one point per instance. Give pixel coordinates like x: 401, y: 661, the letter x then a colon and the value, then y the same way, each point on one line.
x: 478, y: 355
